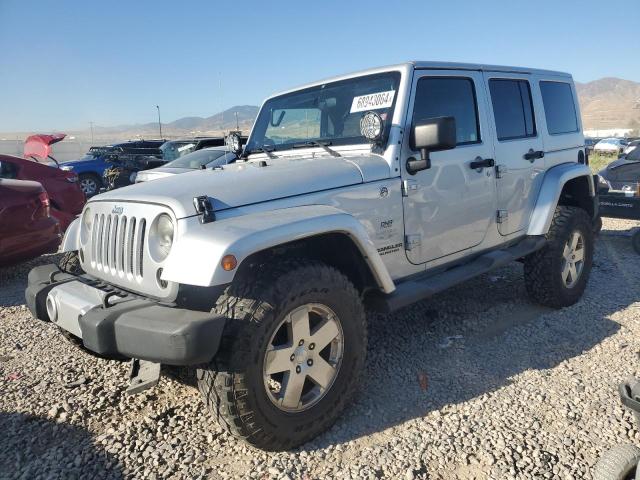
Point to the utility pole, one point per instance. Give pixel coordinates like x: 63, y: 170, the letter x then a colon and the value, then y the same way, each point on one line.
x: 159, y: 122
x: 91, y: 125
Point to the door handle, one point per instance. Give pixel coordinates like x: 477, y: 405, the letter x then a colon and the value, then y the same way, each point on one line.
x: 479, y: 162
x: 531, y: 155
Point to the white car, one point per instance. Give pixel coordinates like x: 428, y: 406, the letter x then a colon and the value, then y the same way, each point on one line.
x: 610, y: 146
x: 200, y: 159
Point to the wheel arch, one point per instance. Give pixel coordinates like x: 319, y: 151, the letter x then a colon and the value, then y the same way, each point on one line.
x: 318, y: 231
x: 569, y: 184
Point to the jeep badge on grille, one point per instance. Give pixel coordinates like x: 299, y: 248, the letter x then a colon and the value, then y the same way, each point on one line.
x: 117, y: 210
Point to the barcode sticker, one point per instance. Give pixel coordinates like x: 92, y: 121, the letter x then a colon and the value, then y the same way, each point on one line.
x: 373, y: 101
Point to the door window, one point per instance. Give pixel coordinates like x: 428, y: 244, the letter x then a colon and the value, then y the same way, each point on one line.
x: 449, y: 97
x: 512, y: 108
x: 559, y: 108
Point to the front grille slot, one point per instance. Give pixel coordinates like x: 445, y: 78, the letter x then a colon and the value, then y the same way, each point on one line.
x: 117, y: 245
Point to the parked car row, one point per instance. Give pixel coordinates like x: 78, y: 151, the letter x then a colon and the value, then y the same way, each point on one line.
x: 611, y: 146
x: 118, y: 165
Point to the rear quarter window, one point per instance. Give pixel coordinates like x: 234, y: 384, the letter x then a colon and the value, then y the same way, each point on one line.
x: 559, y: 107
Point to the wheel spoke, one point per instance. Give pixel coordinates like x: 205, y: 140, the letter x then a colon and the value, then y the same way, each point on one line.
x: 300, y: 324
x: 579, y: 255
x: 566, y: 253
x: 278, y: 360
x: 322, y: 372
x: 574, y: 241
x: 574, y: 273
x: 565, y: 272
x: 293, y: 390
x: 325, y: 334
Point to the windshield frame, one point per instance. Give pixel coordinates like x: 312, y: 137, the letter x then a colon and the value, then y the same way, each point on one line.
x: 394, y: 112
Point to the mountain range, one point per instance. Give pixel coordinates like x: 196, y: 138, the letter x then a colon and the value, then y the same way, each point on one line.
x: 609, y: 103
x: 605, y: 104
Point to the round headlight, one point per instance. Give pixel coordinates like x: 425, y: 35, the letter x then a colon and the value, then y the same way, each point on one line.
x: 86, y: 225
x: 161, y: 237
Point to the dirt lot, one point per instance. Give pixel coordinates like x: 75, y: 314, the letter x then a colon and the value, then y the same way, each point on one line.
x: 478, y: 383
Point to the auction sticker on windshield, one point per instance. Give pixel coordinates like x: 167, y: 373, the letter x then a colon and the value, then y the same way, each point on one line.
x: 373, y: 101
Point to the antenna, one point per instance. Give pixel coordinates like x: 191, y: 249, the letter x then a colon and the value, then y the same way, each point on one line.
x: 237, y: 124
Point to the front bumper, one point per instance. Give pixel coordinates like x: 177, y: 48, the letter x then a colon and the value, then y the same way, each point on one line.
x: 114, y: 324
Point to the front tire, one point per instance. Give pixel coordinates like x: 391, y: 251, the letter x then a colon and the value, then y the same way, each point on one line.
x: 292, y: 351
x: 557, y: 275
x: 619, y: 463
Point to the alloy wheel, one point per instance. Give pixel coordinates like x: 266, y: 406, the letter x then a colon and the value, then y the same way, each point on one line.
x: 303, y: 357
x: 572, y: 259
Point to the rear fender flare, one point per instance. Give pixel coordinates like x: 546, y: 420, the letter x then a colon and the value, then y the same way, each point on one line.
x: 552, y: 185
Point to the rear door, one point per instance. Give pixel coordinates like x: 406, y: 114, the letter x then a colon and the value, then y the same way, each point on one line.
x: 519, y: 150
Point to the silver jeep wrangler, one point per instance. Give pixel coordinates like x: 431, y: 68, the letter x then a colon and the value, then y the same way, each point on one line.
x: 373, y: 190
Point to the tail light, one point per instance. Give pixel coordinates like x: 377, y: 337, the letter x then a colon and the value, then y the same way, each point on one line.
x: 44, y: 206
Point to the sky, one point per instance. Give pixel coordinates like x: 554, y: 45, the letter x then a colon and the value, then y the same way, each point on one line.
x: 65, y: 64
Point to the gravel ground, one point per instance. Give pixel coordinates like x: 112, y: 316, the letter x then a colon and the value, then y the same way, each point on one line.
x: 489, y: 387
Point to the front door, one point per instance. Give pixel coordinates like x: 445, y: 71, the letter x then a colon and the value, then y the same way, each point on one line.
x: 449, y: 207
x: 518, y: 148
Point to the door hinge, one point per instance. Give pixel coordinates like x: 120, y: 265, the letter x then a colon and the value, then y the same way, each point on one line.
x: 501, y: 170
x: 409, y: 186
x: 412, y: 241
x: 502, y: 216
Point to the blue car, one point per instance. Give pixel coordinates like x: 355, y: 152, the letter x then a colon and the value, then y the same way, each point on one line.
x: 91, y: 167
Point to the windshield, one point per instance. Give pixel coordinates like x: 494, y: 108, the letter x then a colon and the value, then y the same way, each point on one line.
x: 197, y: 159
x: 324, y: 113
x: 172, y: 150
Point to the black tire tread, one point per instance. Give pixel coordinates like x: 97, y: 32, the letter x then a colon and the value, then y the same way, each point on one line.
x: 248, y: 303
x: 538, y: 267
x: 618, y: 463
x: 70, y: 263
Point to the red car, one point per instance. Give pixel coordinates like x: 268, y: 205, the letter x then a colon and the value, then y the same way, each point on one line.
x: 67, y: 198
x: 27, y: 228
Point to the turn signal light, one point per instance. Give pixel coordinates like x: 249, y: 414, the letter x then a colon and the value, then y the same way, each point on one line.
x: 229, y: 262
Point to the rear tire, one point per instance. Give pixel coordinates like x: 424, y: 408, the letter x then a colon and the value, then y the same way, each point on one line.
x: 237, y: 386
x: 553, y: 275
x: 619, y: 463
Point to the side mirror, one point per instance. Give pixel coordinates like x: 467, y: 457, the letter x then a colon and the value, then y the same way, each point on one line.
x: 430, y: 135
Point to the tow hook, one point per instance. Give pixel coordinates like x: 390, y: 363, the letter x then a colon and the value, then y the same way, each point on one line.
x: 142, y: 376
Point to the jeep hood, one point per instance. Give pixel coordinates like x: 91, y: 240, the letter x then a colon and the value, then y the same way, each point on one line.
x: 246, y: 183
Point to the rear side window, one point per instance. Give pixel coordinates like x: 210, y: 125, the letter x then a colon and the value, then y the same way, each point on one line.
x: 449, y: 97
x: 559, y: 107
x: 512, y: 109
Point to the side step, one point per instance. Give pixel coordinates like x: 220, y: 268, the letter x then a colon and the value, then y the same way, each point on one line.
x: 413, y: 291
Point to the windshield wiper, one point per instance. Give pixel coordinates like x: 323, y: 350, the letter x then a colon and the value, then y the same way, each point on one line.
x: 314, y: 143
x: 263, y: 149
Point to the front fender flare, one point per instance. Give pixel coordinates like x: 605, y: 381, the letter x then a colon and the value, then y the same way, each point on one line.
x: 552, y: 184
x: 71, y: 240
x: 199, y: 248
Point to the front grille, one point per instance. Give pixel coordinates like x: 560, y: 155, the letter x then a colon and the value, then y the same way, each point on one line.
x: 117, y: 244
